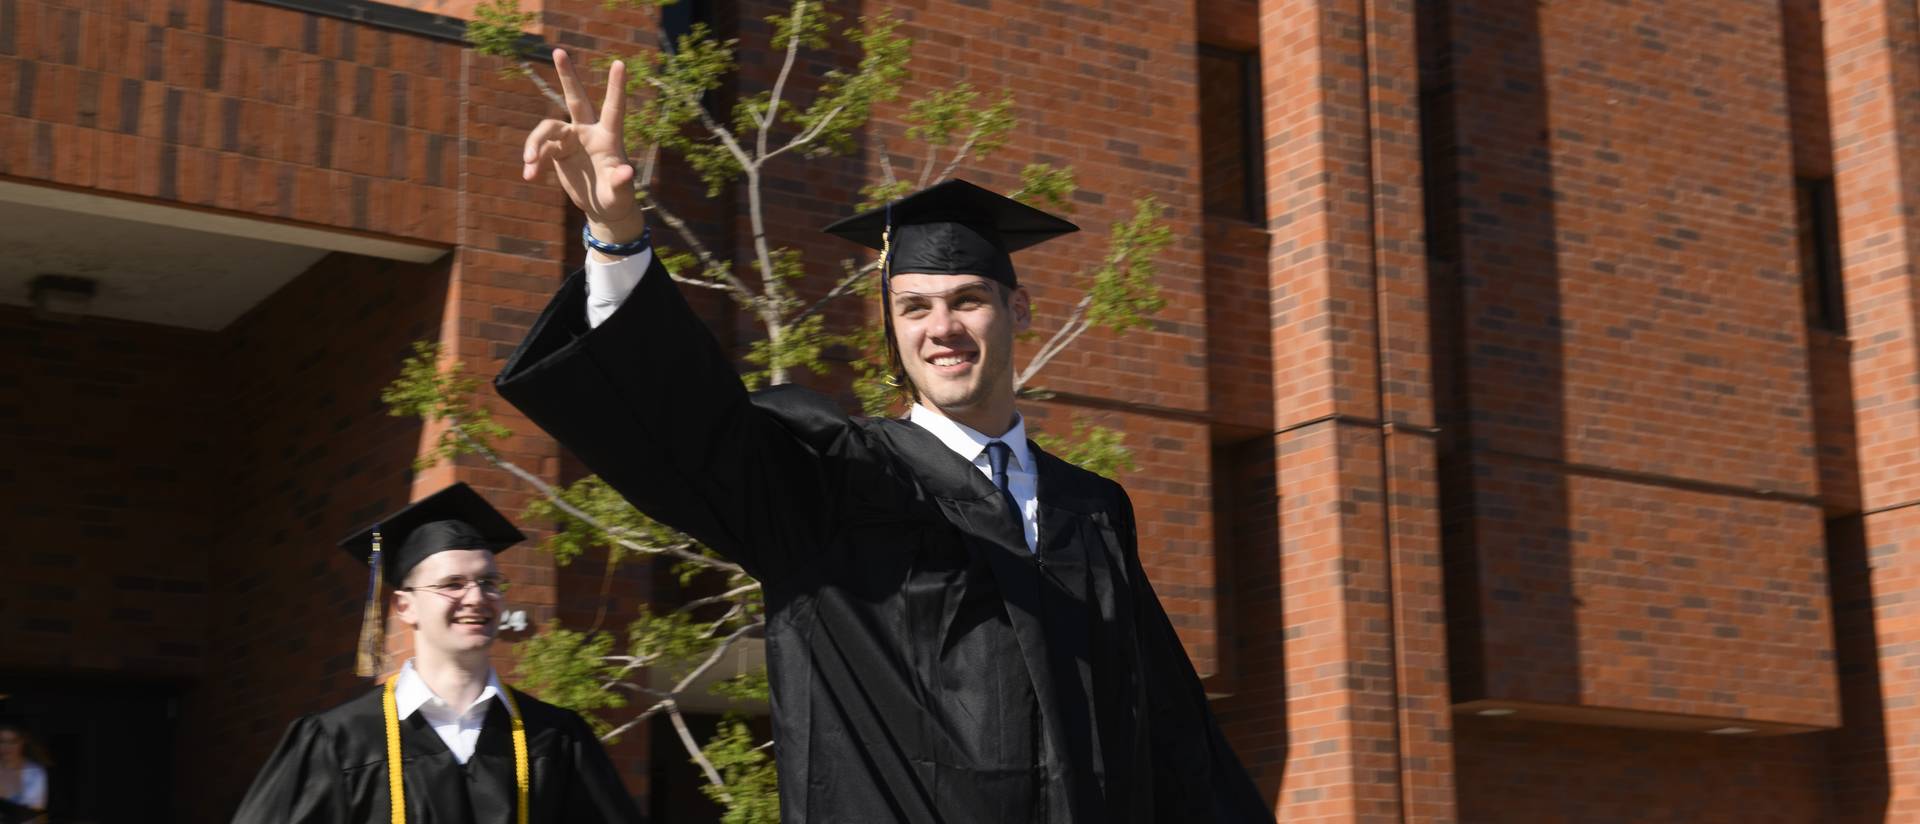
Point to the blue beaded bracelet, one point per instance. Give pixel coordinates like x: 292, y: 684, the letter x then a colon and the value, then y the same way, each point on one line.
x: 631, y: 247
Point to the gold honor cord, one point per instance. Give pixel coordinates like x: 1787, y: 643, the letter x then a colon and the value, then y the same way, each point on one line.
x: 396, y: 788
x: 520, y: 776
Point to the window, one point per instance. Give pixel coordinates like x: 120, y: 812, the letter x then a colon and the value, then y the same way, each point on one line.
x: 677, y: 19
x: 1231, y: 160
x: 1819, y: 240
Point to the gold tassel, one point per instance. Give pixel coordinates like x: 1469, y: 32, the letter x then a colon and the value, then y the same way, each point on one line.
x: 366, y: 661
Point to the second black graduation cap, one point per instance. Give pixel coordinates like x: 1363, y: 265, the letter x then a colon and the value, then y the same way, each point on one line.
x: 953, y: 228
x: 453, y: 518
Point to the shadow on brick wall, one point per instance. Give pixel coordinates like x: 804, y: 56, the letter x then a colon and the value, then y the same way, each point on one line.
x: 1497, y: 343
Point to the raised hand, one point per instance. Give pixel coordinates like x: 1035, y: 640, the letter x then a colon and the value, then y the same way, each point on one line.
x: 589, y: 154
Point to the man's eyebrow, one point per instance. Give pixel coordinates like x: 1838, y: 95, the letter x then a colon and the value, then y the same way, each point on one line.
x: 978, y: 284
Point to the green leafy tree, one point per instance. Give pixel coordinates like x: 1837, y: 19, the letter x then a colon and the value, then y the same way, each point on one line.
x: 603, y: 672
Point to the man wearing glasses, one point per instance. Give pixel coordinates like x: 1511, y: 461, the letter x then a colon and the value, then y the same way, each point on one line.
x: 470, y: 748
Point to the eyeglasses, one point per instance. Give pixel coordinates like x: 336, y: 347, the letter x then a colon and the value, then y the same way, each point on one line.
x: 456, y: 587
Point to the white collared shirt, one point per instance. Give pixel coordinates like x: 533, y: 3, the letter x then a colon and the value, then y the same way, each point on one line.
x: 460, y: 728
x: 971, y: 446
x: 609, y: 283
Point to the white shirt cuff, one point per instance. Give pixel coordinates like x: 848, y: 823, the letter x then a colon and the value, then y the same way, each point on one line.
x: 609, y: 284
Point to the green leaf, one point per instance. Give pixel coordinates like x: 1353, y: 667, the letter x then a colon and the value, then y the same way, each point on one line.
x: 801, y: 345
x: 846, y: 99
x: 673, y: 638
x: 572, y: 537
x: 498, y: 29
x: 813, y: 23
x: 570, y: 669
x: 1124, y: 291
x: 435, y: 394
x: 872, y: 381
x: 752, y: 686
x: 751, y: 793
x: 1046, y: 187
x: 672, y: 89
x: 879, y: 194
x: 1097, y: 449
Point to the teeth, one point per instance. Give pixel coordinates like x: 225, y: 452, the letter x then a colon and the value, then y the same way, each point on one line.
x: 950, y: 360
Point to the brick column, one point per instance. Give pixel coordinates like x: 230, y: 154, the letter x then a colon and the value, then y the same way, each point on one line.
x: 1872, y: 81
x: 1364, y: 656
x: 510, y: 260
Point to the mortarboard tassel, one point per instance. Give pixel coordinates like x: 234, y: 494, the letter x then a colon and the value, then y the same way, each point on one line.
x: 896, y: 370
x: 366, y: 661
x: 886, y: 252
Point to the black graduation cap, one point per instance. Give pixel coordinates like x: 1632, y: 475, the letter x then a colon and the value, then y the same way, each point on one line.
x: 453, y: 518
x: 953, y: 228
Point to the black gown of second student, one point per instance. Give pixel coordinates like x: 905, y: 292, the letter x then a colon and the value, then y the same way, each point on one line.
x: 331, y: 768
x: 925, y: 665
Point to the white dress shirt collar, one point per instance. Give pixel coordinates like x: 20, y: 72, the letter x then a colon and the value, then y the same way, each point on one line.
x: 1022, y: 481
x: 412, y: 693
x: 968, y: 442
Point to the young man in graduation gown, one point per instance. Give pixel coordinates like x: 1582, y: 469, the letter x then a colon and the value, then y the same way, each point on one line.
x: 470, y: 749
x: 959, y: 629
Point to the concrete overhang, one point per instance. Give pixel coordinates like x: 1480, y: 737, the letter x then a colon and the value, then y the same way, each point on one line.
x: 163, y: 264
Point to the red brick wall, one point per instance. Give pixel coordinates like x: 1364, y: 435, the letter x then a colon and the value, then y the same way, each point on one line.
x: 1871, y: 78
x: 109, y: 456
x: 1638, y: 427
x: 235, y: 106
x: 1363, y: 663
x: 1539, y: 773
x: 307, y: 453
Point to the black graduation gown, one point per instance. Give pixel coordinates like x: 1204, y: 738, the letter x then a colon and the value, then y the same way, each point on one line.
x: 925, y: 666
x: 331, y: 768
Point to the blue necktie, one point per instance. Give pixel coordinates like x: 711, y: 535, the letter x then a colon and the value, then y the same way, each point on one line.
x: 998, y: 453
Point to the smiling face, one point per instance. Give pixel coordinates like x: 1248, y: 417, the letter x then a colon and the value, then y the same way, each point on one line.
x: 954, y: 334
x: 446, y: 623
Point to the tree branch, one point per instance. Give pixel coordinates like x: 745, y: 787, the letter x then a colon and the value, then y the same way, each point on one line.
x: 637, y: 720
x: 714, y: 657
x: 714, y: 127
x: 647, y: 168
x: 741, y: 291
x: 769, y: 309
x: 886, y: 162
x: 845, y: 285
x: 926, y: 167
x: 557, y: 101
x: 722, y: 597
x: 807, y: 136
x: 780, y: 81
x: 734, y: 612
x: 958, y: 155
x: 693, y: 749
x: 700, y: 282
x: 1068, y: 332
x: 553, y: 496
x: 633, y: 663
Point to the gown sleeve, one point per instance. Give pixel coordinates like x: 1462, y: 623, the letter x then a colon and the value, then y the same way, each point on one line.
x: 300, y: 783
x: 1197, y: 777
x: 649, y: 401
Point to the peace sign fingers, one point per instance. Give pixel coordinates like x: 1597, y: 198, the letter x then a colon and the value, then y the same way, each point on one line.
x: 588, y: 153
x: 570, y: 87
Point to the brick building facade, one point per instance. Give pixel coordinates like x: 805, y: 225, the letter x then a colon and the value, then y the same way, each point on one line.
x: 1527, y: 438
